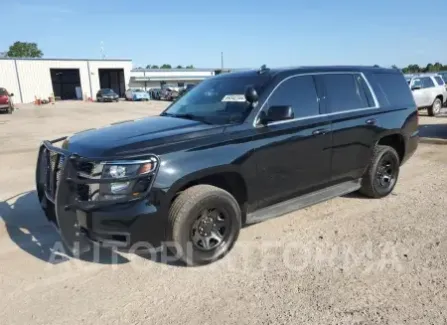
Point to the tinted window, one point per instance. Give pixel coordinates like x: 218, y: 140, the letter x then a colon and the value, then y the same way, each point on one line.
x: 3, y: 92
x: 439, y: 81
x: 394, y: 89
x: 298, y: 92
x: 219, y: 100
x: 344, y: 92
x: 427, y: 82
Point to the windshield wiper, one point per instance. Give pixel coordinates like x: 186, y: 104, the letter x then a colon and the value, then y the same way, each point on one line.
x: 188, y: 117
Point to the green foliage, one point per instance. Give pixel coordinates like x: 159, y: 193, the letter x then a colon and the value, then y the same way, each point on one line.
x: 179, y: 67
x: 414, y: 68
x: 155, y: 66
x: 166, y: 66
x: 190, y: 67
x: 24, y: 50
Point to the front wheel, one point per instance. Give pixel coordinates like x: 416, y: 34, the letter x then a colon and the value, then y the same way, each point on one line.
x: 382, y: 174
x: 204, y: 224
x: 435, y: 108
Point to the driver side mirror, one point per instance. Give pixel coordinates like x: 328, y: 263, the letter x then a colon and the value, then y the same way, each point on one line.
x: 276, y: 114
x: 416, y: 87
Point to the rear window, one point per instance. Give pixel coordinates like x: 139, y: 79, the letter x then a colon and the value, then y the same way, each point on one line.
x: 395, y: 90
x: 439, y: 81
x: 3, y: 92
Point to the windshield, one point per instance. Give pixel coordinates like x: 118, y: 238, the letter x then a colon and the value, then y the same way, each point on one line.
x: 138, y: 90
x: 218, y: 100
x: 108, y: 91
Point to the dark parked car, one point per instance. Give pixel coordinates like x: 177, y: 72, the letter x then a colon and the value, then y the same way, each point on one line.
x: 236, y: 149
x: 107, y: 95
x: 6, y: 104
x: 155, y: 93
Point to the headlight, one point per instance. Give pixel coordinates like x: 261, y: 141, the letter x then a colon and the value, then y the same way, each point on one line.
x: 128, y: 178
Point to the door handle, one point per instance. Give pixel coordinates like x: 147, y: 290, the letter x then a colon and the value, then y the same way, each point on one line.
x: 371, y: 121
x: 320, y: 131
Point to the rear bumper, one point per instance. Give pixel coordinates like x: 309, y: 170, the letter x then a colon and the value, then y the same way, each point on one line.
x: 4, y: 107
x: 118, y: 223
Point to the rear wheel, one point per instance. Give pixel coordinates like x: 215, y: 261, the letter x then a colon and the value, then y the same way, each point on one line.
x: 435, y: 108
x: 204, y: 224
x: 382, y: 174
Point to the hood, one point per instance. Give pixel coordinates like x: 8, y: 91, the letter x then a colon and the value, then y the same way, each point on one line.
x: 135, y: 136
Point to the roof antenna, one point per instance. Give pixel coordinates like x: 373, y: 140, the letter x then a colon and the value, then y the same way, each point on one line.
x: 263, y: 69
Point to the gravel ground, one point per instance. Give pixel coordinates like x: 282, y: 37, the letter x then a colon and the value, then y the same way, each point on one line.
x: 346, y: 261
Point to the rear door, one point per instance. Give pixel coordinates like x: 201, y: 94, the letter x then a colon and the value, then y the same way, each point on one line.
x: 293, y: 156
x: 419, y: 95
x: 353, y: 112
x: 430, y: 90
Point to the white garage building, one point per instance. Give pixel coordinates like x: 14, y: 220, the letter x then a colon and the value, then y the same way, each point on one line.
x: 155, y: 78
x: 67, y: 79
x: 62, y: 78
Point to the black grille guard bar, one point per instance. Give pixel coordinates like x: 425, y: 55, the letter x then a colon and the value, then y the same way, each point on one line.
x: 71, y: 176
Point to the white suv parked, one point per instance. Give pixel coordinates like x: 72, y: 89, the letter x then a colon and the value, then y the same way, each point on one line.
x: 429, y: 92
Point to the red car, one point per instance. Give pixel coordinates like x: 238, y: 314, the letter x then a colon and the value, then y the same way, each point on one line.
x: 6, y: 104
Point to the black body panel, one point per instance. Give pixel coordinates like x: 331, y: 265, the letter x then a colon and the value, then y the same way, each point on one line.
x: 272, y: 163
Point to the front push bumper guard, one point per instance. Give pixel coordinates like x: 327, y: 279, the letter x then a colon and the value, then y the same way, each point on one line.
x: 57, y: 181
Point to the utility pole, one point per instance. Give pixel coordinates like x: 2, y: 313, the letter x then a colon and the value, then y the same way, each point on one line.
x: 221, y: 61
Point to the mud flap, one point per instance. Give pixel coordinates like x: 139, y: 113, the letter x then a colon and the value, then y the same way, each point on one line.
x: 66, y: 216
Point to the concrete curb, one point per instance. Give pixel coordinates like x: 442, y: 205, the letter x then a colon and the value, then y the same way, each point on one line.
x: 432, y: 140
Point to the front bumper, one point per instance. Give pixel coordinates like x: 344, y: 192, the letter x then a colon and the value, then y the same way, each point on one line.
x: 80, y: 220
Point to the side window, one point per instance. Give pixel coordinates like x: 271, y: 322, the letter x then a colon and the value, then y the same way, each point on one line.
x: 345, y: 92
x: 299, y: 93
x: 439, y: 81
x: 427, y: 82
x: 417, y: 83
x: 393, y: 90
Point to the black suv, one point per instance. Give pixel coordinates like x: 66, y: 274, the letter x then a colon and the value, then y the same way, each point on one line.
x: 236, y: 149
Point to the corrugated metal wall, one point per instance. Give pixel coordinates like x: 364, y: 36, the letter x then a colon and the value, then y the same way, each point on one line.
x: 8, y: 79
x: 35, y: 77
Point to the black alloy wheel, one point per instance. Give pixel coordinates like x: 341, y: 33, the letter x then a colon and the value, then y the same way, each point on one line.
x: 382, y: 174
x: 210, y: 229
x: 387, y: 171
x: 204, y: 223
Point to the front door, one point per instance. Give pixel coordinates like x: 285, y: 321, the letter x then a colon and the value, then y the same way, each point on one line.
x: 292, y: 156
x: 419, y: 94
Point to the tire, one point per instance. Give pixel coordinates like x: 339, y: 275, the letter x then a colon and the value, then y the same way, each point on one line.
x: 186, y: 221
x: 435, y: 108
x: 374, y: 182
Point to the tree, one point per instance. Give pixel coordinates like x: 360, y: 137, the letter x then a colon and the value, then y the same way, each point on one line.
x: 179, y: 67
x: 190, y: 67
x: 166, y: 66
x: 148, y: 66
x: 24, y: 50
x: 154, y: 67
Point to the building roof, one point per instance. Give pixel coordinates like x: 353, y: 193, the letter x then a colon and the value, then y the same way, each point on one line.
x: 177, y: 70
x: 64, y: 59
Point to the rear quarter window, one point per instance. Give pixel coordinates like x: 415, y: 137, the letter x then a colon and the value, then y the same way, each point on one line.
x: 392, y: 90
x: 439, y: 81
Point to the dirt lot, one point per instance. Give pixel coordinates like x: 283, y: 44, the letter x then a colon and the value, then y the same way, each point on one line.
x: 346, y: 261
